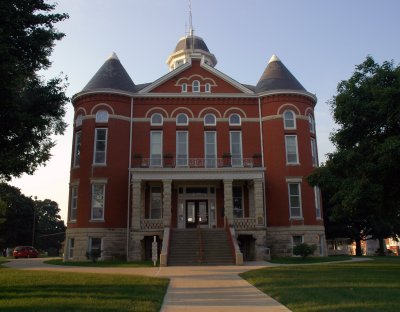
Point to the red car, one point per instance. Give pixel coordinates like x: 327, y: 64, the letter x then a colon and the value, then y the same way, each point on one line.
x: 25, y: 252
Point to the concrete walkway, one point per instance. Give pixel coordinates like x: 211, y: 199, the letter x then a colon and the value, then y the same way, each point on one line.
x: 195, y: 289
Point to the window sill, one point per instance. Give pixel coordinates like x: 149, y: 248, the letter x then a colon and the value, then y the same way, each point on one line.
x: 296, y: 219
x: 72, y: 221
x: 99, y: 165
x: 293, y: 164
x: 97, y: 221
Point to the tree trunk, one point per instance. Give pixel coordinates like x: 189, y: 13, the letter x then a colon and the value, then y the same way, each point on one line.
x: 358, y: 247
x: 381, y: 251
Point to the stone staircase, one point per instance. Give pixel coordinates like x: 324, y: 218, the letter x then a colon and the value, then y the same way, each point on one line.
x: 200, y: 247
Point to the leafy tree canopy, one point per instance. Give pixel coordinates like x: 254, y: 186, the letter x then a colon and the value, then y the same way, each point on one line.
x: 363, y: 174
x: 31, y: 109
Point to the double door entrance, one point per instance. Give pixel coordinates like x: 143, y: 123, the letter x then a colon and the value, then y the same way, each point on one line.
x: 196, y: 213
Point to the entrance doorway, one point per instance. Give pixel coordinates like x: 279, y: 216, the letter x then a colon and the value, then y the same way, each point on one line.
x: 196, y: 213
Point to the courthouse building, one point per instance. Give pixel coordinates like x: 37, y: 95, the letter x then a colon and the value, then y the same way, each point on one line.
x: 191, y: 156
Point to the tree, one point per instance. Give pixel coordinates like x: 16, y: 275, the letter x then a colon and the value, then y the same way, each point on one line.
x: 31, y: 108
x: 363, y: 174
x: 25, y: 216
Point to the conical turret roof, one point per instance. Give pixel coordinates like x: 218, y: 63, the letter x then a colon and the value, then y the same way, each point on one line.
x: 277, y: 77
x: 111, y: 76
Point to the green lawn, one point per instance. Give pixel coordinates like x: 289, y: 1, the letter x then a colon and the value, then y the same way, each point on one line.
x: 365, y: 286
x: 299, y: 260
x: 119, y: 264
x: 61, y: 291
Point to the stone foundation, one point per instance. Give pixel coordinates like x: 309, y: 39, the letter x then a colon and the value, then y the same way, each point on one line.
x: 260, y: 247
x: 136, y: 248
x: 279, y: 239
x: 113, y: 242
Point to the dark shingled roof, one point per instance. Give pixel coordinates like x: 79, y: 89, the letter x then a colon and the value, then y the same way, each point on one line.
x: 186, y: 43
x: 111, y: 76
x: 277, y: 77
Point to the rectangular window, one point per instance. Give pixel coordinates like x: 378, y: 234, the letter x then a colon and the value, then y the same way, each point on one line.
x: 237, y: 198
x: 294, y: 200
x: 314, y: 153
x: 210, y: 149
x: 71, y: 245
x: 100, y: 146
x: 96, y: 245
x: 74, y: 203
x: 156, y: 203
x: 156, y: 149
x: 182, y: 148
x: 236, y: 148
x: 291, y: 149
x: 296, y: 240
x: 77, y: 151
x: 317, y: 194
x: 321, y: 244
x: 98, y: 193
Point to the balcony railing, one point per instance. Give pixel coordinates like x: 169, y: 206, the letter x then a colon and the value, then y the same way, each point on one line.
x: 244, y: 223
x: 152, y: 224
x: 196, y: 162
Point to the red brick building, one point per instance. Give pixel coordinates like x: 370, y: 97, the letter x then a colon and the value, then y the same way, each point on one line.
x: 194, y: 149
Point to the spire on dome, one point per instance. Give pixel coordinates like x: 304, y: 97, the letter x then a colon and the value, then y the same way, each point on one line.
x: 274, y: 58
x: 191, y: 30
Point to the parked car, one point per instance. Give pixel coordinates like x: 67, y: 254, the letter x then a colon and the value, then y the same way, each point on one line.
x: 25, y: 252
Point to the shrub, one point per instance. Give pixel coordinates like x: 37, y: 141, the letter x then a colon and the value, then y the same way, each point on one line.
x: 304, y: 250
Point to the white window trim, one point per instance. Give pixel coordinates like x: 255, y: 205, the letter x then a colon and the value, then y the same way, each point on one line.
x: 71, y: 207
x: 102, y: 111
x: 151, y: 201
x: 284, y: 120
x: 241, y: 148
x: 235, y: 124
x: 207, y: 87
x: 314, y: 152
x: 317, y: 196
x: 300, y: 203
x: 161, y: 143
x: 78, y: 133
x: 311, y: 123
x: 70, y: 249
x: 78, y: 120
x: 182, y: 124
x: 297, y: 150
x: 184, y: 88
x: 242, y: 190
x: 193, y: 87
x: 104, y: 201
x: 215, y: 149
x: 105, y: 148
x: 187, y: 149
x: 210, y: 124
x: 156, y: 123
x: 101, y: 245
x: 293, y: 245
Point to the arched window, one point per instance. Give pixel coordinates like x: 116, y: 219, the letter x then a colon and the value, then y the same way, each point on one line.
x: 184, y: 87
x: 78, y: 121
x: 311, y: 123
x: 289, y: 120
x: 182, y: 119
x: 196, y: 86
x: 235, y: 120
x: 102, y: 116
x: 156, y: 119
x: 207, y: 87
x: 210, y: 120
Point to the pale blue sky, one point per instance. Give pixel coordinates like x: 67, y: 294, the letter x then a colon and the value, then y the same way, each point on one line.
x: 320, y: 42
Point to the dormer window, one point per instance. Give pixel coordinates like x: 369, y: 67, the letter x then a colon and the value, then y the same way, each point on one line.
x: 78, y: 121
x: 210, y: 120
x: 207, y: 87
x: 289, y: 120
x: 235, y: 120
x: 184, y: 87
x: 102, y: 116
x: 196, y: 86
x: 182, y: 120
x: 156, y: 120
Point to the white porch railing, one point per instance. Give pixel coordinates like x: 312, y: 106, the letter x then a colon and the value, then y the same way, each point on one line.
x: 244, y: 223
x: 152, y: 224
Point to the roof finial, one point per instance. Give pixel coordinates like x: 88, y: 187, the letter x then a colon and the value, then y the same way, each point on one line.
x: 191, y: 30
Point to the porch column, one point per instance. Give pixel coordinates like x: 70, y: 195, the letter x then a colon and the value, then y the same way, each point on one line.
x: 228, y: 200
x: 258, y: 202
x: 136, y: 203
x: 167, y: 202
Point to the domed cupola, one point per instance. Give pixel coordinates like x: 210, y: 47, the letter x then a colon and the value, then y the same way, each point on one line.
x: 111, y: 76
x: 188, y: 46
x: 277, y: 77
